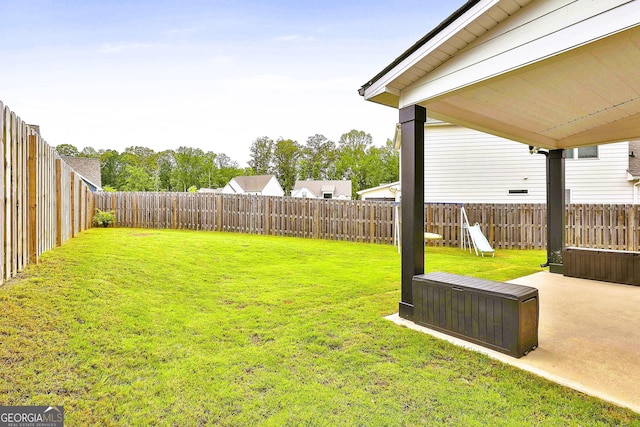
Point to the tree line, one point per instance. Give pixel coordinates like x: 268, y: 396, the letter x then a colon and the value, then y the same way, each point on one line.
x: 353, y: 157
x: 142, y: 169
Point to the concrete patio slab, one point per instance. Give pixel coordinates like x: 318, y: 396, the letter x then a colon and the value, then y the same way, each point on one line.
x: 589, y: 337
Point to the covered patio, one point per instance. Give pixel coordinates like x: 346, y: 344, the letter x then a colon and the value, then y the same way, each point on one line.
x: 553, y: 75
x: 589, y: 337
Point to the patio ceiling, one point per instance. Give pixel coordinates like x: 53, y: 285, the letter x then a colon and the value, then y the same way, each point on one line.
x: 553, y: 74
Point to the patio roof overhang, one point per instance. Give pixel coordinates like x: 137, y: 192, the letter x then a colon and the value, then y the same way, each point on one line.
x: 552, y: 74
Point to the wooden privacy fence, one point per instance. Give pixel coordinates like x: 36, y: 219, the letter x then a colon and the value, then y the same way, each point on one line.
x: 358, y: 221
x: 507, y: 226
x: 45, y: 202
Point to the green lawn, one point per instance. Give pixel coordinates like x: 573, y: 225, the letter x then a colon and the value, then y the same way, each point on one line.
x: 148, y: 327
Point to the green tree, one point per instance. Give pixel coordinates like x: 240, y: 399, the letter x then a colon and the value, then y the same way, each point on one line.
x: 209, y: 169
x: 188, y: 168
x: 67, y: 150
x: 371, y: 168
x: 89, y: 152
x: 137, y: 179
x: 224, y: 161
x: 261, y: 156
x: 144, y: 158
x: 390, y: 163
x: 350, y: 162
x: 316, y: 158
x: 285, y: 158
x: 141, y: 156
x: 112, y: 169
x: 227, y: 169
x: 165, y: 164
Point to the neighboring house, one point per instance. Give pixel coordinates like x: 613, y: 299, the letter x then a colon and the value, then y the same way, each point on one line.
x: 385, y: 192
x: 263, y: 185
x: 633, y: 174
x: 210, y: 190
x: 467, y: 166
x: 322, y: 189
x: 88, y: 169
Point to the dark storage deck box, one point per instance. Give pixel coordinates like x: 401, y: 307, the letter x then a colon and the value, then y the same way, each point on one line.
x: 601, y: 264
x: 500, y: 316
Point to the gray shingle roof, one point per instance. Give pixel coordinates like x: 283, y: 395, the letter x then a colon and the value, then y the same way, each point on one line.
x: 253, y: 183
x: 88, y: 167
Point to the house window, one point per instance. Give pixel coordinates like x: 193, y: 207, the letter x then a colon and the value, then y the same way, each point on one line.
x: 327, y: 195
x: 583, y: 152
x: 304, y: 194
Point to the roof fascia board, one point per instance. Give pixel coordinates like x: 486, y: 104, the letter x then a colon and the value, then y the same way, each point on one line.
x: 235, y: 186
x: 450, y: 77
x: 379, y: 187
x: 433, y: 41
x: 272, y: 179
x: 88, y: 181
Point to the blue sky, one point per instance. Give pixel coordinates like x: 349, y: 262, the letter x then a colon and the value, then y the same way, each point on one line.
x: 209, y: 74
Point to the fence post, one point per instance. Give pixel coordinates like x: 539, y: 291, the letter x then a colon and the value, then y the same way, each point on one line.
x: 58, y: 202
x: 631, y: 227
x: 315, y: 220
x: 3, y: 141
x: 267, y: 216
x: 134, y: 208
x: 492, y: 226
x: 219, y: 201
x: 73, y: 204
x: 174, y: 212
x: 372, y: 225
x: 32, y: 179
x: 92, y: 209
x: 114, y: 207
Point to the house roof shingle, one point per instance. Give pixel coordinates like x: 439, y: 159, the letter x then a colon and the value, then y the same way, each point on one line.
x: 254, y: 183
x: 88, y: 167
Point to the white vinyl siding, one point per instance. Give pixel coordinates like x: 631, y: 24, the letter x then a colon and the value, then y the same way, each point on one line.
x: 379, y: 194
x: 272, y: 188
x: 602, y: 179
x: 466, y: 166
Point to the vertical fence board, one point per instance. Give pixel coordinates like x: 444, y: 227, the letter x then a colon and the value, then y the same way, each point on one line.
x: 507, y: 226
x: 36, y: 199
x: 33, y: 197
x: 2, y: 197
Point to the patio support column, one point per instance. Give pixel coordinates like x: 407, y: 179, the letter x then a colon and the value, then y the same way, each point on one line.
x: 555, y: 210
x: 412, y: 121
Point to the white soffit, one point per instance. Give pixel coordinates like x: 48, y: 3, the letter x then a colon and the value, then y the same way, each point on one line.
x: 558, y: 74
x: 445, y: 44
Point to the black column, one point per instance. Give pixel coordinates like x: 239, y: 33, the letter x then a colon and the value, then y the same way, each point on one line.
x: 555, y: 210
x: 412, y: 120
